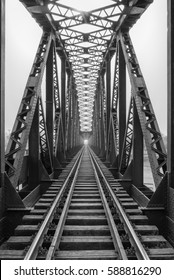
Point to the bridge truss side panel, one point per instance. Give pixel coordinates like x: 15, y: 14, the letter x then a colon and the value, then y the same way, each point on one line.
x: 170, y: 145
x: 137, y: 151
x: 170, y: 161
x: 2, y: 89
x: 36, y: 146
x: 34, y: 156
x: 2, y: 110
x: 122, y: 98
x: 49, y: 98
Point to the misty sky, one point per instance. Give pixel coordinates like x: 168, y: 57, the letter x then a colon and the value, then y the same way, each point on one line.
x: 149, y: 36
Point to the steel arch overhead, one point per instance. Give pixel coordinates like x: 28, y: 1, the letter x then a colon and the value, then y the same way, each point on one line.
x: 153, y: 139
x: 19, y: 137
x: 85, y: 38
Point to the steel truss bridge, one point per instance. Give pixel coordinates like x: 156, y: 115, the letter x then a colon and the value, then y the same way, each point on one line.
x: 48, y: 175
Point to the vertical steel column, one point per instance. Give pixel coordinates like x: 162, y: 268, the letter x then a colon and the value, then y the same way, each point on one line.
x: 98, y: 117
x: 72, y: 118
x: 63, y: 94
x: 2, y: 91
x: 49, y: 98
x: 34, y: 151
x: 68, y: 112
x: 122, y: 99
x: 96, y: 123
x: 103, y: 123
x: 137, y: 150
x: 74, y: 121
x: 170, y: 132
x: 108, y: 96
x: 74, y: 96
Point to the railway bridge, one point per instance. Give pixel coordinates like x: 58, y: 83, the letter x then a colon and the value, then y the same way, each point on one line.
x: 72, y: 175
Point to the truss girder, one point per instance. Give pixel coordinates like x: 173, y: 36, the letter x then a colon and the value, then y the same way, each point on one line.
x: 116, y: 82
x: 2, y: 91
x: 68, y: 111
x: 127, y: 145
x: 114, y: 109
x: 111, y: 148
x: 56, y: 83
x: 56, y: 99
x: 103, y: 108
x: 113, y: 141
x: 115, y: 129
x: 44, y: 143
x: 86, y: 38
x: 19, y: 137
x: 85, y: 60
x: 153, y: 139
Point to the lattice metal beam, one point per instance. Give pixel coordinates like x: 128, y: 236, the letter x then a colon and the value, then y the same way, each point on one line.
x: 2, y: 91
x: 115, y: 129
x: 127, y: 144
x: 56, y: 99
x: 44, y: 142
x: 153, y: 139
x: 19, y: 136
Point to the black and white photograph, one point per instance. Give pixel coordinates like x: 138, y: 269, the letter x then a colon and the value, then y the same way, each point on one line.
x: 86, y: 133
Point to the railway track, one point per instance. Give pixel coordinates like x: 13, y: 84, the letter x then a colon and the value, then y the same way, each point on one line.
x: 86, y: 214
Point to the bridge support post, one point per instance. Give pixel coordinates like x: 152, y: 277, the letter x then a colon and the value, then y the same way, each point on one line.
x: 98, y: 108
x: 108, y: 96
x: 72, y: 119
x: 122, y: 99
x: 137, y: 151
x: 102, y: 126
x: 49, y: 99
x: 63, y: 94
x: 34, y: 154
x: 68, y: 112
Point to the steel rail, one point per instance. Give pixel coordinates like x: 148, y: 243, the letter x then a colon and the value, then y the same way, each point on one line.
x: 59, y: 230
x: 33, y: 250
x: 139, y: 249
x: 114, y: 232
